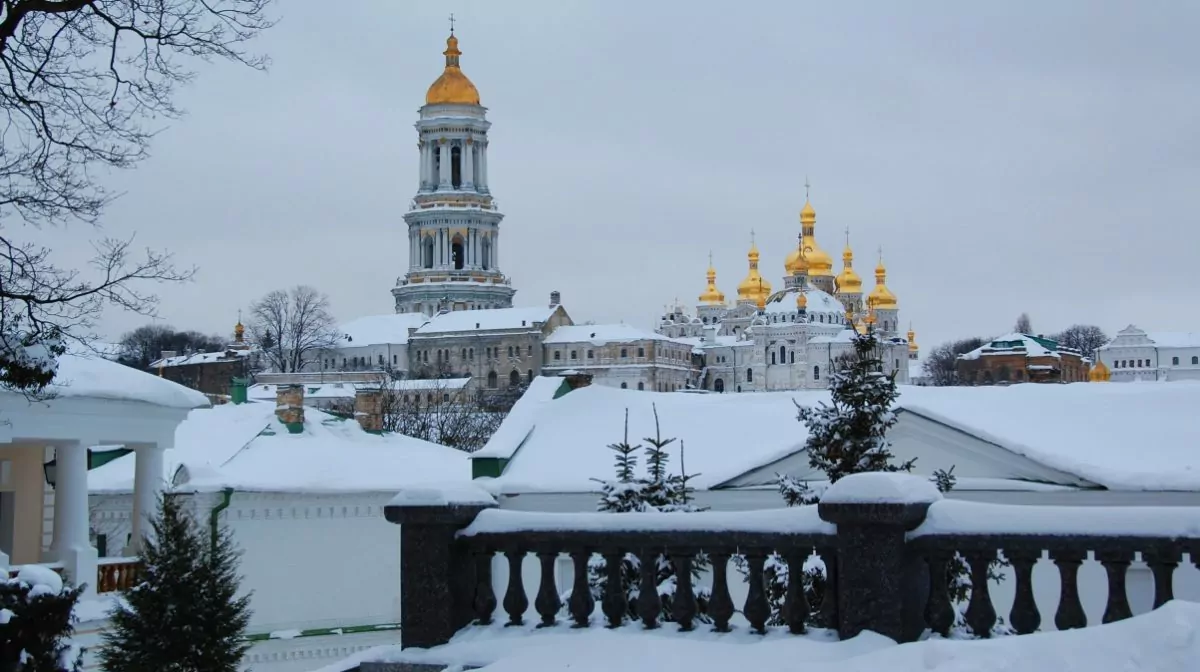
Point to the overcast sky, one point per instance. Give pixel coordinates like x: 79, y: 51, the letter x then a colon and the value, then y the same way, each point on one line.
x: 1008, y: 157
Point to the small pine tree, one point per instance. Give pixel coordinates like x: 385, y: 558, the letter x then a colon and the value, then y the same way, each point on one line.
x: 185, y: 613
x: 37, y: 622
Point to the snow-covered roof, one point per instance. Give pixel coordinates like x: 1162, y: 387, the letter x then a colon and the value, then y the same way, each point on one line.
x: 1123, y: 437
x: 599, y: 334
x: 818, y: 302
x: 390, y: 329
x: 843, y: 336
x: 244, y: 447
x: 1014, y: 342
x: 484, y: 320
x: 342, y: 390
x: 522, y: 417
x: 95, y: 377
x: 1175, y: 339
x: 199, y: 358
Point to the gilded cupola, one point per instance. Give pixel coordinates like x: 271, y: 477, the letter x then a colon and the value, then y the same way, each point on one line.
x: 848, y: 282
x: 795, y: 263
x: 453, y: 87
x: 239, y: 332
x: 912, y: 340
x: 712, y: 296
x: 754, y: 288
x: 801, y: 301
x: 881, y: 297
x: 1099, y: 373
x: 819, y: 261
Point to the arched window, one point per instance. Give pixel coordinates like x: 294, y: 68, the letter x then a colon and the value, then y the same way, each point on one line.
x: 456, y: 167
x: 641, y: 386
x: 1195, y: 360
x: 471, y: 354
x: 792, y: 356
x: 492, y: 379
x: 624, y: 353
x: 719, y: 385
x: 485, y: 253
x: 1175, y: 361
x: 514, y: 378
x: 624, y: 386
x: 427, y: 251
x: 816, y: 373
x: 457, y: 252
x: 782, y: 354
x: 749, y: 375
x: 510, y: 351
x: 772, y: 357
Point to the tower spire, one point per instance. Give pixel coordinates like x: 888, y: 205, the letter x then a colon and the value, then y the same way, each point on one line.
x: 451, y: 23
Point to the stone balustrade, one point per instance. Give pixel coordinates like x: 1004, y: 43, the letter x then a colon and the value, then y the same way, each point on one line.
x: 886, y: 543
x: 112, y: 574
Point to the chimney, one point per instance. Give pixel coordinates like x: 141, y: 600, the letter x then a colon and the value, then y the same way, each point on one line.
x: 368, y: 409
x: 166, y: 354
x: 710, y: 333
x: 289, y: 407
x: 577, y: 379
x: 555, y: 298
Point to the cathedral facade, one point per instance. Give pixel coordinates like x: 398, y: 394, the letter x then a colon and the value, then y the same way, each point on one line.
x: 453, y: 222
x: 790, y: 338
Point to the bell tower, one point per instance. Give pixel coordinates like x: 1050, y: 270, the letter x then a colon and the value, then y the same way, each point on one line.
x: 453, y: 221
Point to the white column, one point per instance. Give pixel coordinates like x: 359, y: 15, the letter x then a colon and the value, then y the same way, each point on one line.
x: 468, y: 166
x: 148, y: 485
x: 424, y: 171
x: 444, y: 171
x: 483, y: 174
x: 71, y: 544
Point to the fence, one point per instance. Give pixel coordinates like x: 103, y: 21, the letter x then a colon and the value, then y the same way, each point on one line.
x: 886, y: 543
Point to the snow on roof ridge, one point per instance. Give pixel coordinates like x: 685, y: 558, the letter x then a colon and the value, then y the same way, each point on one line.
x: 385, y: 329
x: 486, y: 319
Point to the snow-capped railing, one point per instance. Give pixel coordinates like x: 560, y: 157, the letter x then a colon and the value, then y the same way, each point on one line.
x: 112, y: 574
x: 1113, y: 535
x: 886, y: 541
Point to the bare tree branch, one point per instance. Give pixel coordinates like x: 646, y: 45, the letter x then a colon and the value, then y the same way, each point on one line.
x: 292, y: 328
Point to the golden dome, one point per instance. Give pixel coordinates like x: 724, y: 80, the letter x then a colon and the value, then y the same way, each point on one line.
x: 754, y: 288
x: 801, y: 301
x: 881, y: 297
x: 848, y: 282
x: 1099, y: 373
x: 712, y: 296
x: 912, y: 340
x: 239, y: 331
x: 453, y: 87
x: 819, y: 262
x: 795, y: 262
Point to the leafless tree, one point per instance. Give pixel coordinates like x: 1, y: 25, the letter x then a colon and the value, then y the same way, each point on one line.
x: 84, y: 86
x: 941, y: 365
x: 1024, y: 325
x: 438, y: 411
x: 293, y: 327
x: 1085, y: 338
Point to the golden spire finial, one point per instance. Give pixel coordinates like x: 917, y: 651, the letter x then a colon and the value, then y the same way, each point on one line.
x: 451, y: 23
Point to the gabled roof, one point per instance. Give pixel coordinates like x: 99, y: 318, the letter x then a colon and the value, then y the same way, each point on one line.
x: 492, y: 319
x: 95, y: 377
x: 390, y: 329
x: 1015, y: 343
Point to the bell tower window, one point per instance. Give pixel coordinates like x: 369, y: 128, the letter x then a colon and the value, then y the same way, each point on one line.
x: 456, y: 167
x: 485, y: 260
x: 456, y: 252
x: 427, y: 252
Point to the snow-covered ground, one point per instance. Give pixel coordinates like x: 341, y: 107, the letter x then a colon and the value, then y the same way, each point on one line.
x: 1166, y: 640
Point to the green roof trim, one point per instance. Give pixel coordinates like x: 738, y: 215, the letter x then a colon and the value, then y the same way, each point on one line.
x: 324, y: 632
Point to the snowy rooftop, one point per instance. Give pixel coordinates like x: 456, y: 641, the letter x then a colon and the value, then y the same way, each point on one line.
x: 390, y: 329
x: 490, y: 319
x: 1008, y: 343
x: 95, y: 377
x: 199, y: 358
x: 243, y: 446
x: 1175, y: 339
x: 599, y: 334
x: 818, y: 302
x: 1123, y: 437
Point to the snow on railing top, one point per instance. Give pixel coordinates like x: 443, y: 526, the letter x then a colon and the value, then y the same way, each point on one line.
x: 797, y: 520
x: 450, y: 494
x: 953, y: 517
x: 881, y: 488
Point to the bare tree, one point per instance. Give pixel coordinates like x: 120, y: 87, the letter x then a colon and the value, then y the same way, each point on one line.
x: 144, y: 345
x: 941, y: 365
x: 1023, y: 325
x: 80, y: 80
x: 292, y: 328
x: 1086, y: 338
x: 439, y: 411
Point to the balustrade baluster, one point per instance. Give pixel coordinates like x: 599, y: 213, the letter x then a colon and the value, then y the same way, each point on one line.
x: 1070, y: 610
x: 757, y: 610
x: 612, y: 598
x: 515, y: 600
x: 485, y: 595
x: 649, y: 606
x: 581, y: 603
x: 981, y: 615
x: 1162, y: 564
x: 547, y: 601
x: 683, y: 603
x: 720, y: 605
x: 1024, y: 616
x: 795, y: 605
x: 827, y: 617
x: 939, y: 613
x: 1116, y: 563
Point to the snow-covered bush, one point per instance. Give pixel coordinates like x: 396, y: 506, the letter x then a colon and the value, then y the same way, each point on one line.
x: 37, y: 622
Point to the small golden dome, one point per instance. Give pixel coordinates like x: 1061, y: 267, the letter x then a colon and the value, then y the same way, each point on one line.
x: 239, y: 331
x: 1099, y: 373
x: 795, y: 263
x: 819, y: 262
x: 453, y: 87
x: 808, y: 214
x: 848, y: 282
x: 912, y: 340
x: 712, y: 296
x: 801, y: 301
x: 881, y: 297
x: 754, y: 288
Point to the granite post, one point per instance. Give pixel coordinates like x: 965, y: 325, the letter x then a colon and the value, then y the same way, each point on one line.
x: 882, y: 585
x: 437, y: 575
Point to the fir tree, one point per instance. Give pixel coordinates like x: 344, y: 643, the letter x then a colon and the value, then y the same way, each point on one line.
x: 184, y: 615
x: 37, y: 622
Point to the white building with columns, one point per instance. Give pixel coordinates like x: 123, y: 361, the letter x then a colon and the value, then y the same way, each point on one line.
x: 453, y: 222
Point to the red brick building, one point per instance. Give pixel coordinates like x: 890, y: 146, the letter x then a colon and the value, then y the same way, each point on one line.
x: 1021, y: 358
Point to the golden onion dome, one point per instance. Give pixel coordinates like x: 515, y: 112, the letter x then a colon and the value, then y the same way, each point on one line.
x: 754, y: 288
x: 819, y: 262
x: 801, y: 301
x: 712, y: 296
x: 881, y: 297
x: 453, y: 87
x: 912, y: 340
x: 796, y: 263
x: 848, y: 282
x: 1099, y: 373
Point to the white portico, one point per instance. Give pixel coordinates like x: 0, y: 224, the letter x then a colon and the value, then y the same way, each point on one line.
x: 453, y: 224
x: 93, y: 402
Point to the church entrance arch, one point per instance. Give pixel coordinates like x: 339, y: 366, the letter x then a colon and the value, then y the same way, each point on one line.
x: 719, y: 385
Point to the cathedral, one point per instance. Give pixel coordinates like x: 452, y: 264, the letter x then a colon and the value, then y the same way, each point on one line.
x: 790, y: 338
x: 453, y: 221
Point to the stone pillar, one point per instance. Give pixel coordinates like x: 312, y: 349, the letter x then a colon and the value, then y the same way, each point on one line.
x: 483, y: 174
x: 444, y: 169
x: 148, y: 484
x: 881, y: 585
x: 468, y: 166
x: 71, y: 545
x: 368, y: 409
x: 424, y: 172
x: 437, y: 576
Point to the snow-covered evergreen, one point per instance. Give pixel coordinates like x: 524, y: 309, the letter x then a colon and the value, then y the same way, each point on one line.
x: 36, y: 622
x: 185, y: 613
